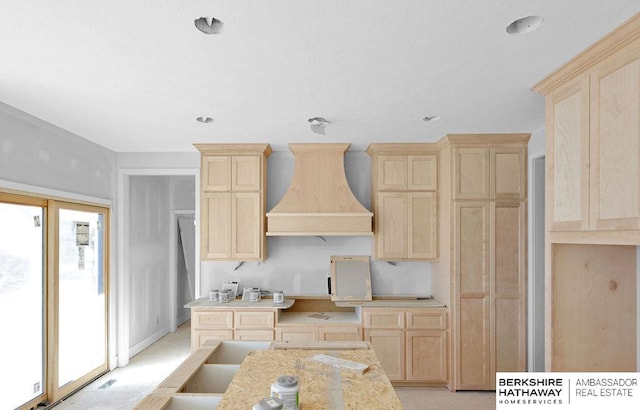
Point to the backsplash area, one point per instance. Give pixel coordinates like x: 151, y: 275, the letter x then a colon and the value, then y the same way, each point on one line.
x: 299, y: 266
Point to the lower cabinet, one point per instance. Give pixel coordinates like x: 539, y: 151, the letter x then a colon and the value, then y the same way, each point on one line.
x: 411, y: 344
x: 214, y: 324
x: 335, y: 333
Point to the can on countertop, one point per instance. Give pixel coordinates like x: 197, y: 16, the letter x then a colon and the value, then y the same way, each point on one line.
x: 214, y: 295
x: 286, y: 388
x: 268, y: 403
x: 278, y: 296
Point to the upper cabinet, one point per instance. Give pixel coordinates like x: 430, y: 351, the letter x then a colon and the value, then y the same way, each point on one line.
x: 404, y: 196
x: 233, y: 196
x: 489, y: 173
x: 593, y: 137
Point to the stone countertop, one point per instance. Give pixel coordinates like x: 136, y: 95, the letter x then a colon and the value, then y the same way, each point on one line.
x: 416, y: 302
x: 264, y: 303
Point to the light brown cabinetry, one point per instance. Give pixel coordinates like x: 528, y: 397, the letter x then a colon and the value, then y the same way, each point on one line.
x: 483, y: 280
x: 410, y: 343
x: 404, y: 197
x: 333, y: 333
x: 233, y: 195
x: 216, y: 324
x: 592, y: 127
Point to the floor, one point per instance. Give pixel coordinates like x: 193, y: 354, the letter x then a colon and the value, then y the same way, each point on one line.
x: 124, y: 387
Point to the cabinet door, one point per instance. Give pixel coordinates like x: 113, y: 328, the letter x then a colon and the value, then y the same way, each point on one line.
x: 615, y: 141
x: 422, y: 225
x: 567, y: 128
x: 422, y: 173
x: 471, y: 173
x: 389, y: 347
x: 508, y: 173
x: 381, y: 318
x: 392, y: 172
x: 253, y: 334
x: 508, y: 245
x: 216, y: 173
x: 471, y: 288
x: 426, y: 352
x: 253, y: 320
x: 215, y: 237
x: 245, y: 173
x: 246, y: 223
x: 297, y: 333
x: 200, y: 337
x: 391, y: 225
x: 212, y: 320
x: 339, y: 333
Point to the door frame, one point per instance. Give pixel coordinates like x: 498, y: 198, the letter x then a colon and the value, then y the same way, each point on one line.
x: 173, y: 263
x: 122, y: 257
x: 536, y: 346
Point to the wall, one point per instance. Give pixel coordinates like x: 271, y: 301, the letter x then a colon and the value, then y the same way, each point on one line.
x: 299, y: 265
x: 36, y: 153
x: 150, y: 201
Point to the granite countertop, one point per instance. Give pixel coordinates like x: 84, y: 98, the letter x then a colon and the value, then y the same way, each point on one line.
x: 264, y: 303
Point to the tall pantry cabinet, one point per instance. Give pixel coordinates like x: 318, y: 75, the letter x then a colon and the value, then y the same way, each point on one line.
x: 481, y: 273
x: 233, y: 200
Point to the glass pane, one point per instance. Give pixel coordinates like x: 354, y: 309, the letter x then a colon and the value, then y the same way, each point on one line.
x: 82, y: 314
x: 21, y: 303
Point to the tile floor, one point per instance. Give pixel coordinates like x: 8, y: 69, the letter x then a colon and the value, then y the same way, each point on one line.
x: 123, y: 388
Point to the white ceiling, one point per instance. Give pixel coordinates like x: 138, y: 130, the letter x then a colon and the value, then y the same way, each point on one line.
x: 133, y: 75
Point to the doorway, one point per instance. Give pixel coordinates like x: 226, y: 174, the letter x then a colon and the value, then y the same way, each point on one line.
x: 537, y: 298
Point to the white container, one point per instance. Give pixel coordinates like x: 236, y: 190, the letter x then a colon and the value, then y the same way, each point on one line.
x: 214, y: 295
x: 225, y: 296
x: 278, y: 296
x: 286, y: 388
x: 254, y: 296
x: 268, y: 403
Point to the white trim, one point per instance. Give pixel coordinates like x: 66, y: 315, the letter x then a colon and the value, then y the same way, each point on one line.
x: 54, y: 193
x: 134, y: 350
x: 533, y: 264
x: 123, y: 174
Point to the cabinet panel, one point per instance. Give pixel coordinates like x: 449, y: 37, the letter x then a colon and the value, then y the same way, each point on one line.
x: 422, y: 172
x: 339, y: 333
x: 567, y: 112
x: 471, y: 173
x: 509, y: 248
x: 246, y: 225
x: 383, y: 319
x: 253, y: 334
x: 389, y: 348
x: 472, y: 361
x: 391, y: 232
x: 472, y: 247
x: 426, y: 355
x: 216, y: 173
x: 245, y: 175
x: 216, y: 224
x: 200, y: 337
x: 422, y: 225
x: 297, y: 333
x: 212, y: 320
x: 509, y: 331
x: 254, y: 320
x: 508, y: 175
x: 615, y: 142
x: 392, y: 172
x: 427, y: 319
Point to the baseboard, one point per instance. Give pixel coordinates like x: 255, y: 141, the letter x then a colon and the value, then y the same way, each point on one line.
x: 137, y: 348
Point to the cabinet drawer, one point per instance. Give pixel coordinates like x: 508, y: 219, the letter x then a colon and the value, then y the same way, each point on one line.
x: 259, y: 335
x: 200, y: 337
x: 436, y: 319
x: 213, y: 320
x: 339, y: 333
x: 254, y: 320
x: 384, y: 319
x: 297, y: 333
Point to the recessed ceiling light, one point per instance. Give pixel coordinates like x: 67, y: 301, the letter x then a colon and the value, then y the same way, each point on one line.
x: 431, y: 118
x: 318, y: 124
x: 209, y: 25
x: 205, y: 120
x: 525, y: 25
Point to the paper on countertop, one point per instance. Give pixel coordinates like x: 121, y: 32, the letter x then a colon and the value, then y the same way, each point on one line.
x: 341, y: 364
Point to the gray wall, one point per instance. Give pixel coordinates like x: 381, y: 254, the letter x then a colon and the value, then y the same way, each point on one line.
x: 34, y: 152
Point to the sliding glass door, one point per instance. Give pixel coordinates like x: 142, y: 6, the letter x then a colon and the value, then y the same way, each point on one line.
x: 80, y: 304
x: 22, y: 301
x: 53, y: 298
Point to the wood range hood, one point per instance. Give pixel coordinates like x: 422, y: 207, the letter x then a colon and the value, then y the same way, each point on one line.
x: 319, y: 200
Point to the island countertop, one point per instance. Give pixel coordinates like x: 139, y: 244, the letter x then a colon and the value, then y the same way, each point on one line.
x: 264, y: 303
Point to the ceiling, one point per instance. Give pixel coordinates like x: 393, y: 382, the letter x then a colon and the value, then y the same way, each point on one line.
x: 134, y: 75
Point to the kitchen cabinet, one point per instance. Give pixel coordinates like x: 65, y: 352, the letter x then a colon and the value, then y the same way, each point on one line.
x: 233, y: 198
x: 592, y: 117
x: 404, y: 198
x: 483, y: 281
x: 231, y: 324
x: 410, y: 343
